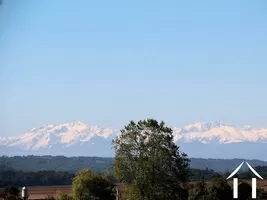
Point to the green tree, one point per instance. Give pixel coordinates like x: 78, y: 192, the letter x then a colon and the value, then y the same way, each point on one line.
x: 150, y: 163
x: 220, y: 189
x: 12, y: 193
x: 64, y: 196
x: 261, y: 194
x: 199, y: 191
x: 90, y: 186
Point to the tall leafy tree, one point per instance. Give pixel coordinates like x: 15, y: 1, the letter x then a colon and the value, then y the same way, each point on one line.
x: 199, y: 191
x: 149, y: 162
x: 220, y: 189
x: 12, y: 193
x: 64, y: 196
x: 90, y: 186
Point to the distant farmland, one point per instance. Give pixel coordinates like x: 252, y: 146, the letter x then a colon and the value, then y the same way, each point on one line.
x: 38, y: 192
x: 41, y: 192
x: 260, y: 183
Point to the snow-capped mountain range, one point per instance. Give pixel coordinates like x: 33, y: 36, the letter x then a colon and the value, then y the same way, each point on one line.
x: 207, y: 140
x: 217, y: 132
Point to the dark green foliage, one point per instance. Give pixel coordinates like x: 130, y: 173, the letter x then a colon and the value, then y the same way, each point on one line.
x: 64, y: 196
x: 12, y: 193
x: 261, y: 194
x: 198, y: 174
x: 150, y: 163
x: 198, y: 191
x: 41, y: 178
x: 55, y: 163
x: 220, y: 189
x: 222, y: 165
x: 45, y: 178
x: 88, y: 186
x: 98, y: 164
x: 11, y: 177
x: 262, y: 170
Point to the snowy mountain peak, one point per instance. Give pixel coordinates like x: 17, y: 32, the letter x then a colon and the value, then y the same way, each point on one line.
x: 78, y: 138
x: 201, y: 127
x: 65, y: 134
x: 216, y: 132
x: 247, y: 128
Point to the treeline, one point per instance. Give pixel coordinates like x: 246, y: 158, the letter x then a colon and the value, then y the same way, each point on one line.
x: 40, y: 178
x: 89, y: 185
x: 209, y: 174
x: 86, y: 185
x: 11, y: 177
x: 262, y: 170
x: 99, y: 164
x: 16, y: 178
x: 220, y: 189
x: 55, y: 163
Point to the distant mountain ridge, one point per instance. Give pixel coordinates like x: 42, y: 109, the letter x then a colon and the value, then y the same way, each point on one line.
x: 73, y: 164
x: 217, y: 132
x: 207, y: 140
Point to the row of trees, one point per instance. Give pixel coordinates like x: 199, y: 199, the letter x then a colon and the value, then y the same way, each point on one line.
x: 11, y: 177
x: 219, y: 189
x: 54, y: 163
x: 248, y: 175
x: 86, y: 185
x: 90, y: 186
x: 45, y: 178
x: 100, y: 164
x: 41, y: 178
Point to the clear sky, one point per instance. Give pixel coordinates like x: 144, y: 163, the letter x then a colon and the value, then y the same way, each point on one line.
x: 107, y: 62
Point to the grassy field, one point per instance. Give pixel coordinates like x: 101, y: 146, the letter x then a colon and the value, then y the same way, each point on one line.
x: 43, y: 191
x: 37, y: 192
x: 260, y: 183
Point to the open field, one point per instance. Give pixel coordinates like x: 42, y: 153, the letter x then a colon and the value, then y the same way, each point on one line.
x: 39, y: 192
x: 260, y: 183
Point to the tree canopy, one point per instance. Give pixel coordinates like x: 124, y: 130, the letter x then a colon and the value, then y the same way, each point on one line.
x: 149, y: 162
x: 12, y: 193
x: 90, y: 186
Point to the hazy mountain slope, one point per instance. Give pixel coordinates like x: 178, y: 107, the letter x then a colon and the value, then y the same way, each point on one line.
x: 206, y: 140
x: 63, y: 139
x: 215, y: 132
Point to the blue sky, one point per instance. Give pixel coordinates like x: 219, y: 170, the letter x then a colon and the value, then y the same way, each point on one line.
x: 107, y: 62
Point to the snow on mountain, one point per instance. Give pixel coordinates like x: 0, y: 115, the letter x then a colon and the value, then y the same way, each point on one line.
x: 78, y: 138
x: 66, y: 134
x: 5, y: 140
x: 216, y: 132
x: 201, y: 127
